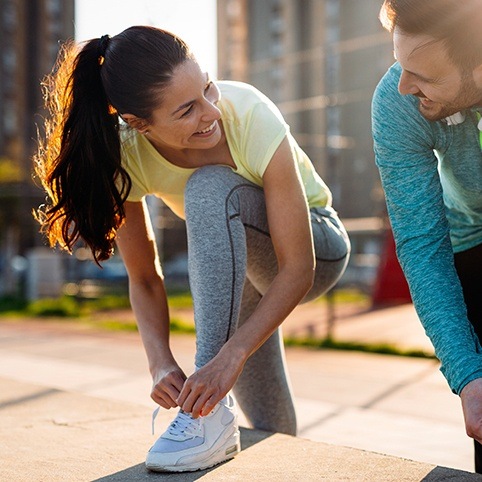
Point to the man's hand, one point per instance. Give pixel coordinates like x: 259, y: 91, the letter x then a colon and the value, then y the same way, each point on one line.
x: 167, y: 385
x: 471, y: 397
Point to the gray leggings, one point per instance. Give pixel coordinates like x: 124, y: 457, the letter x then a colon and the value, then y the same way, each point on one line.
x: 231, y: 264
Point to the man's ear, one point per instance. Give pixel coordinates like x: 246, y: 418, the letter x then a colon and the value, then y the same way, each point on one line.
x: 477, y: 73
x: 140, y: 125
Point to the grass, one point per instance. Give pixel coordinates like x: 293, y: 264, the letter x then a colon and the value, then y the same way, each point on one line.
x: 332, y: 344
x: 177, y: 325
x: 343, y: 296
x: 72, y: 307
x: 180, y: 300
x: 72, y: 310
x: 10, y: 304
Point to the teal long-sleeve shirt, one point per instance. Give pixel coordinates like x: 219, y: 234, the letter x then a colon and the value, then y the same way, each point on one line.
x: 431, y: 173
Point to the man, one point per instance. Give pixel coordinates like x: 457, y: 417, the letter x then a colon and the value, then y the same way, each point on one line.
x: 428, y: 146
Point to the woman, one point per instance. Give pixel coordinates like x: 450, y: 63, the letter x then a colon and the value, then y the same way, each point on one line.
x: 262, y: 235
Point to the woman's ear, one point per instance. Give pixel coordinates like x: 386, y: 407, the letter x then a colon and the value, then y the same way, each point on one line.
x: 136, y: 123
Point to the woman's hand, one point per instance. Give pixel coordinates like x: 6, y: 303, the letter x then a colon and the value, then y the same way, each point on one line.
x: 167, y: 385
x: 210, y: 384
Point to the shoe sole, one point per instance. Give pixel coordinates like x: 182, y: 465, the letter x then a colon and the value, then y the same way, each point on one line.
x: 226, y: 452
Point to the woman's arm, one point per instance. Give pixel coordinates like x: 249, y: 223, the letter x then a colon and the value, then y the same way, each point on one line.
x: 290, y: 229
x: 137, y: 245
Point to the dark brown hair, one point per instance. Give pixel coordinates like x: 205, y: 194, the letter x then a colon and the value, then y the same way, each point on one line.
x: 457, y: 23
x: 79, y: 156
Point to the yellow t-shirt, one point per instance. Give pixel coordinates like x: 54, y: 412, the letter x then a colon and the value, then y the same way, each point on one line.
x: 254, y: 129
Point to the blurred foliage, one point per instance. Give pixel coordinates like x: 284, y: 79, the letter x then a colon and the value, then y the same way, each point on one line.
x: 10, y: 171
x: 63, y: 307
x: 345, y: 295
x: 181, y: 326
x: 72, y: 310
x: 76, y: 307
x: 105, y: 303
x: 180, y: 300
x: 115, y: 325
x: 11, y: 304
x: 333, y: 344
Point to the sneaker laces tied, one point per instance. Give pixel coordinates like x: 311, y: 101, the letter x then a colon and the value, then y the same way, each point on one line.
x: 183, y: 423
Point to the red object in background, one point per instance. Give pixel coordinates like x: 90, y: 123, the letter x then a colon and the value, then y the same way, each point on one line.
x: 391, y: 287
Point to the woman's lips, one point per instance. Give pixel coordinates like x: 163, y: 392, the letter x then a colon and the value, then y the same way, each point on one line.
x: 208, y: 131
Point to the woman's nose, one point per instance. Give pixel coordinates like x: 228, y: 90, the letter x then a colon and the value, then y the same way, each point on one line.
x: 211, y: 112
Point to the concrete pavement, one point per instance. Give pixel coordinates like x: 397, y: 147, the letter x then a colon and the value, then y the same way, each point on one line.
x: 54, y: 435
x: 75, y: 406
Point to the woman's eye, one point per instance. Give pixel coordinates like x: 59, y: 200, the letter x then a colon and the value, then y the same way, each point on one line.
x: 187, y: 112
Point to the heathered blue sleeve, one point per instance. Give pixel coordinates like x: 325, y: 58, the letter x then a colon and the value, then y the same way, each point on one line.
x: 404, y: 143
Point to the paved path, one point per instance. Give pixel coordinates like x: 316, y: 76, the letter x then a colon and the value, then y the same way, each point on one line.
x: 392, y: 405
x: 54, y: 435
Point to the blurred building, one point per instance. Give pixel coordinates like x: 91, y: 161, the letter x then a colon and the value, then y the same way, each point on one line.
x: 30, y: 31
x: 319, y: 61
x: 29, y: 41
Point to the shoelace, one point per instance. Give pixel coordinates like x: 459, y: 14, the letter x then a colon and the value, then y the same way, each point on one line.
x: 154, y: 415
x: 181, y: 424
x: 184, y: 423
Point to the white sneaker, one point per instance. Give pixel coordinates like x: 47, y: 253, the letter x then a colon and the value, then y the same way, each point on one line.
x: 194, y: 444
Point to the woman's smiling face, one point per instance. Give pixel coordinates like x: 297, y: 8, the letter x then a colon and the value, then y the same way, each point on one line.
x: 187, y: 117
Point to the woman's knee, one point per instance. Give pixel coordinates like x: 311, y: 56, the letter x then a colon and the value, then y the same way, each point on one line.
x: 332, y: 248
x: 206, y: 187
x: 208, y: 178
x: 327, y: 274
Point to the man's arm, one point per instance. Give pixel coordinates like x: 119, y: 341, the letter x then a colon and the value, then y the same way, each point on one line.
x: 404, y: 143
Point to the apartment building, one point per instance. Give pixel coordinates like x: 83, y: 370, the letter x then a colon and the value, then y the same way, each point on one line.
x: 30, y: 31
x: 319, y: 61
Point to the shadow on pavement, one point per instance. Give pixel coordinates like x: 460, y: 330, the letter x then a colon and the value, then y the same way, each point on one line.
x: 29, y: 398
x: 440, y: 474
x: 139, y: 472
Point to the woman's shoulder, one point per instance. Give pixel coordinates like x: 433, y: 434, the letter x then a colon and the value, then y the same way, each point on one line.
x: 236, y: 91
x: 237, y: 86
x: 133, y: 147
x: 240, y: 100
x: 132, y: 144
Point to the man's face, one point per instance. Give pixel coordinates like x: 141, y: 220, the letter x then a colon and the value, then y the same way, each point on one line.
x: 429, y: 74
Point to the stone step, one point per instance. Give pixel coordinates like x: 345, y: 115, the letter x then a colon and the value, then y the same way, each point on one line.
x: 48, y: 434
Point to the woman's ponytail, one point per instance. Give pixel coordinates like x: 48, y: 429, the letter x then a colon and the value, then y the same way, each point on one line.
x: 79, y: 158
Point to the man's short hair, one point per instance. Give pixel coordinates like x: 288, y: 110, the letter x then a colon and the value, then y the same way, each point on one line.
x: 457, y: 23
